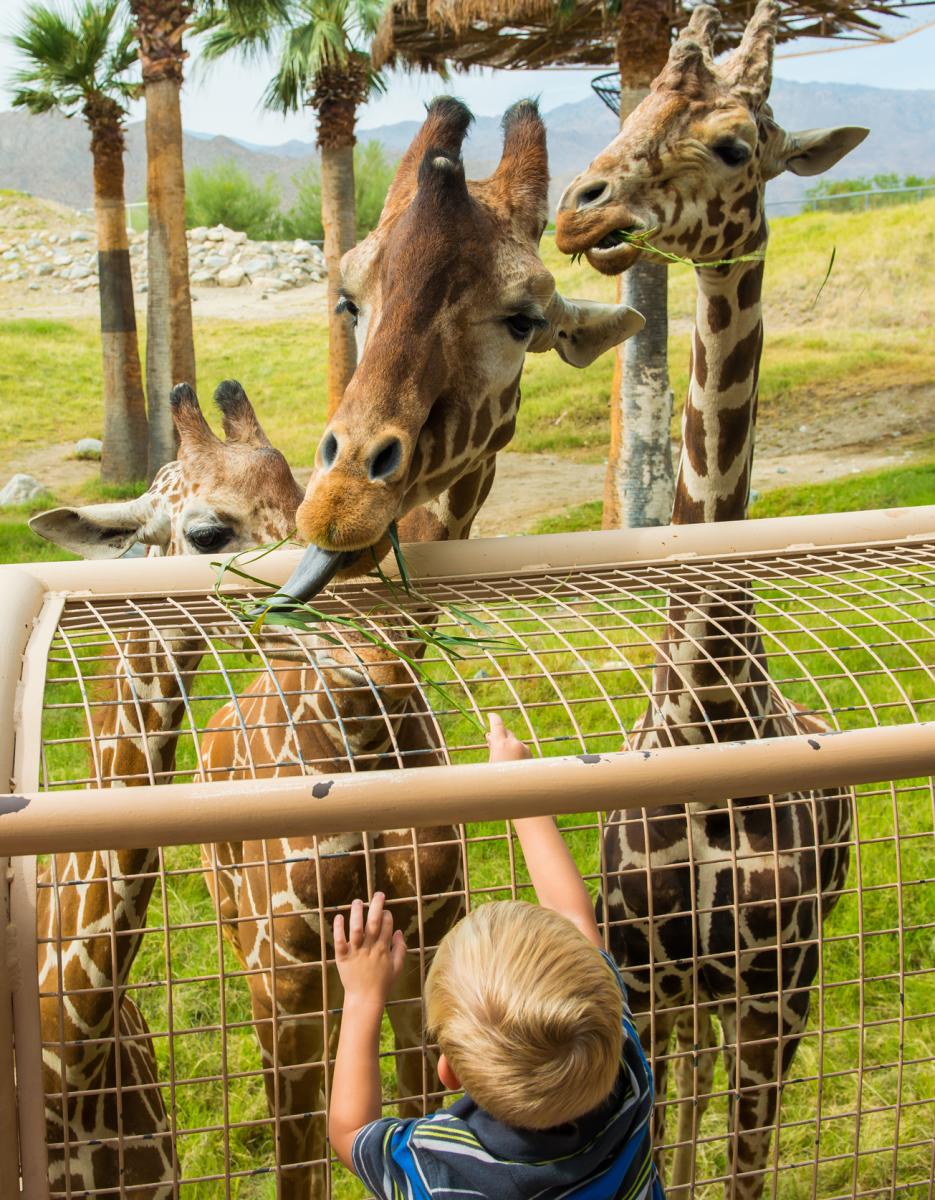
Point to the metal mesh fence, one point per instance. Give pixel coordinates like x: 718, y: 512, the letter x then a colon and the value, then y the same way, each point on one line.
x: 192, y: 993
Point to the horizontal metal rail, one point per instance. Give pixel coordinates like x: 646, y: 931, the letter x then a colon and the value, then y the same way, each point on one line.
x: 483, y: 556
x: 372, y: 801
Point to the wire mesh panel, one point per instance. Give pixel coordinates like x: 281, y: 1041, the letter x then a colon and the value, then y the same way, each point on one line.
x: 189, y: 1001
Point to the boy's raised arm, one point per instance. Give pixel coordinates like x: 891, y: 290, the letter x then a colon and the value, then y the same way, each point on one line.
x: 554, y: 874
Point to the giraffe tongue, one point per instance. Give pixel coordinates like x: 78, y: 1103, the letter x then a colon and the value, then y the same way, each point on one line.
x: 315, y: 571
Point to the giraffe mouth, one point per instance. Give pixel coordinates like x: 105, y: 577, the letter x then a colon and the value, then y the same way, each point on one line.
x: 616, y: 250
x: 315, y: 571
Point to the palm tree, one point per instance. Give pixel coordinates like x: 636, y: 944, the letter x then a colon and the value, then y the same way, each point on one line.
x: 80, y: 65
x: 170, y: 347
x: 321, y: 46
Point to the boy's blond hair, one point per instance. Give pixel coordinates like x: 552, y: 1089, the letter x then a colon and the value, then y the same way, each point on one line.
x: 527, y: 1013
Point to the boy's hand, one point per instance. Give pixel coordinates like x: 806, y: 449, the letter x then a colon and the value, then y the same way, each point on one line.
x: 370, y: 956
x: 504, y: 746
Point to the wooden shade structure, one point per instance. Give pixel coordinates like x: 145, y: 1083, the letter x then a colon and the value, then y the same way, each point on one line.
x: 533, y: 34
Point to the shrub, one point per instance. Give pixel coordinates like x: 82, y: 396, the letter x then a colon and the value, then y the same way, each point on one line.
x: 373, y: 174
x: 226, y: 195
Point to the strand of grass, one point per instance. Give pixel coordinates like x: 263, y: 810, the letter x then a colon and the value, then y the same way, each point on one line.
x: 304, y: 617
x: 834, y: 251
x: 640, y: 240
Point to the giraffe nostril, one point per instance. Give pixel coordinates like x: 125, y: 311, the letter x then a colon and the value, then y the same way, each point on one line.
x: 329, y: 450
x: 594, y: 193
x: 385, y: 462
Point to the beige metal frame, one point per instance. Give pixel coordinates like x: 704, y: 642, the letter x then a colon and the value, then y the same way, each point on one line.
x: 37, y: 821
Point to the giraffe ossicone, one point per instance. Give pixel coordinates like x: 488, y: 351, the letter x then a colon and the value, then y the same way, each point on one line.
x: 448, y: 294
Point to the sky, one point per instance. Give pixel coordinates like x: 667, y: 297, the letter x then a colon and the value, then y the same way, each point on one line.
x: 225, y: 98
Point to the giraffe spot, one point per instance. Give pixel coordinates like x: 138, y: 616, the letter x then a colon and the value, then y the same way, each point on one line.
x: 715, y: 211
x: 719, y: 313
x: 691, y: 236
x: 700, y: 361
x: 678, y: 206
x: 750, y: 287
x: 482, y: 425
x: 738, y: 364
x: 707, y: 246
x: 750, y: 201
x: 502, y: 436
x: 462, y: 433
x: 439, y: 455
x: 695, y: 439
x: 509, y: 396
x: 733, y: 434
x: 732, y: 231
x: 685, y: 510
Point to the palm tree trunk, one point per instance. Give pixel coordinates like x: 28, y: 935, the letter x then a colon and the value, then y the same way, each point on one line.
x: 339, y: 89
x: 170, y: 346
x: 339, y: 220
x: 124, y: 457
x: 639, y: 485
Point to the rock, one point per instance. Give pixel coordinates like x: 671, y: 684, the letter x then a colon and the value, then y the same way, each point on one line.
x: 204, y: 278
x: 300, y: 246
x: 88, y: 447
x: 33, y: 287
x: 782, y: 470
x: 268, y: 283
x: 9, y: 255
x: 216, y: 262
x: 198, y: 234
x: 80, y: 236
x: 231, y: 277
x: 262, y: 265
x: 21, y: 489
x: 78, y: 271
x: 220, y: 233
x: 287, y: 277
x: 238, y: 239
x: 63, y: 260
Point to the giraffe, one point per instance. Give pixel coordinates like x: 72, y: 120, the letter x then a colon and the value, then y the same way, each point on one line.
x: 690, y: 167
x: 447, y: 294
x: 230, y: 495
x: 359, y: 709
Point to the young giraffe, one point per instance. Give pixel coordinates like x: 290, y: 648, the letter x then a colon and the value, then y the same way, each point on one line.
x: 691, y: 164
x: 358, y: 709
x: 447, y: 294
x: 217, y: 495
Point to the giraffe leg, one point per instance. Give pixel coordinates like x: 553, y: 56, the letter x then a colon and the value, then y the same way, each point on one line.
x: 694, y: 1077
x: 758, y: 1051
x: 292, y: 1046
x: 656, y: 1039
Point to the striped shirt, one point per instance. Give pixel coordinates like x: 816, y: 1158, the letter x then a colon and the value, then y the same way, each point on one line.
x: 461, y: 1151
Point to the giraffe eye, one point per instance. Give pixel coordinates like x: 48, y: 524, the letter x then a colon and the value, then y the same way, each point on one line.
x: 522, y: 324
x: 732, y: 152
x: 205, y: 538
x: 347, y: 305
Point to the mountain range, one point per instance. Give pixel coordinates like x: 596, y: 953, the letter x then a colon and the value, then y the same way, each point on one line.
x: 48, y: 156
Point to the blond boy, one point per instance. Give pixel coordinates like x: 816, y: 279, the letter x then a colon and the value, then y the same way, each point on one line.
x: 531, y: 1019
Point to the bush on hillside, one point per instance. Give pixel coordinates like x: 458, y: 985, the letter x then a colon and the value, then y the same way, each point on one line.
x: 837, y: 195
x: 226, y: 195
x: 373, y: 174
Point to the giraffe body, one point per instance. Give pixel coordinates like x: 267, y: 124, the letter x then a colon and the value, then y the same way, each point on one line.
x: 714, y: 910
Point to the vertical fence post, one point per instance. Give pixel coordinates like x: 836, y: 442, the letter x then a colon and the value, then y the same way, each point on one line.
x: 9, y: 1141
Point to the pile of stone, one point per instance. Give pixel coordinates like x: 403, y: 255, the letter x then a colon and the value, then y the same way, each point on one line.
x: 218, y: 257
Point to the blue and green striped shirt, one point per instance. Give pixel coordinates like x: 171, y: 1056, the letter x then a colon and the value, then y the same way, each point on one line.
x: 461, y: 1151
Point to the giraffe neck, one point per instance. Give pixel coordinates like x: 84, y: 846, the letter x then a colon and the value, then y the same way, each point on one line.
x: 720, y: 410
x: 710, y: 680
x: 92, y: 918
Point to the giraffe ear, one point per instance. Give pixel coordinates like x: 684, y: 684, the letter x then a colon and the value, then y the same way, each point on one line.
x: 581, y: 330
x: 104, y: 530
x: 814, y: 151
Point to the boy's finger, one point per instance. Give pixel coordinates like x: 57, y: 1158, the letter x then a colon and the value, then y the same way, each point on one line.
x: 386, y: 931
x: 497, y: 728
x: 340, y: 941
x: 398, y: 951
x: 375, y: 916
x: 357, y: 923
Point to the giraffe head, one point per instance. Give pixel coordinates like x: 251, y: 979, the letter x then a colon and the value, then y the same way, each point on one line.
x: 690, y: 165
x: 448, y: 294
x: 216, y: 496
